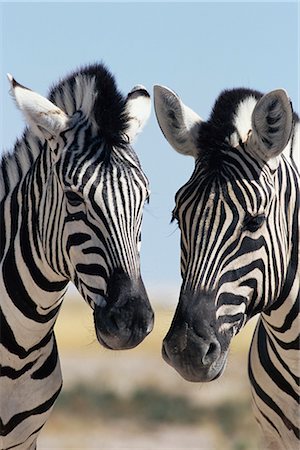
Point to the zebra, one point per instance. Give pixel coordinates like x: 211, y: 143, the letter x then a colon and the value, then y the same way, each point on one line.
x: 72, y: 197
x: 239, y: 221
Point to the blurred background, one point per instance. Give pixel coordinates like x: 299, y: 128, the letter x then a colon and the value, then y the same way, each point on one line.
x: 133, y: 399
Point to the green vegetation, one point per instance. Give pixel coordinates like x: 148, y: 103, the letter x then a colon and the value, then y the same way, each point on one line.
x: 150, y: 406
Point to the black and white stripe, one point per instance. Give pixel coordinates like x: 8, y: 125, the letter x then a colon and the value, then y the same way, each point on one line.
x: 72, y: 195
x: 239, y: 221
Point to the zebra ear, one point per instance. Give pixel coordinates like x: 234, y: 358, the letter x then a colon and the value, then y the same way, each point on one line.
x: 272, y: 123
x: 43, y: 116
x: 138, y: 108
x: 179, y: 123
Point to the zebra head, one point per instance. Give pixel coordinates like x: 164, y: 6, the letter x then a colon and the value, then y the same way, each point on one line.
x: 90, y: 191
x: 234, y: 229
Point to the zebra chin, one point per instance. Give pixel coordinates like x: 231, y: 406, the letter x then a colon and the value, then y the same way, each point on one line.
x: 123, y: 340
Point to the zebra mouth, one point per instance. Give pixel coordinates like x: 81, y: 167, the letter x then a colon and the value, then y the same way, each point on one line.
x: 107, y: 345
x: 221, y: 370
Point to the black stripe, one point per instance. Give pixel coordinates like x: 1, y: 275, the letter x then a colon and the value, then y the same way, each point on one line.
x: 269, y: 367
x: 26, y: 250
x: 49, y: 365
x: 77, y: 239
x: 92, y: 269
x: 289, y: 319
x: 18, y: 294
x: 283, y: 363
x: 271, y: 404
x: 291, y: 345
x: 7, y: 428
x: 7, y: 339
x: 266, y: 418
x: 13, y: 374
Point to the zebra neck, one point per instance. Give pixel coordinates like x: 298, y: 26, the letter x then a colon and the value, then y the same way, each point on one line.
x: 30, y: 296
x: 280, y: 318
x: 280, y: 321
x: 31, y: 284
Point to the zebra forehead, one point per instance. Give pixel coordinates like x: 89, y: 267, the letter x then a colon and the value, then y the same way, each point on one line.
x: 93, y: 90
x: 239, y: 189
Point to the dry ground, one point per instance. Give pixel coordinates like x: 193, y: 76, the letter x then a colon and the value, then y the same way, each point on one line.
x: 146, y: 403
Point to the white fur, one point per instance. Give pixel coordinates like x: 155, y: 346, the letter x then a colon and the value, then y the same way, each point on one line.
x: 242, y: 118
x: 38, y: 111
x: 138, y: 108
x: 227, y: 310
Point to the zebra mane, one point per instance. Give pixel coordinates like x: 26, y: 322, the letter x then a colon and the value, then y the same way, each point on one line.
x: 92, y: 90
x: 228, y: 125
x: 227, y: 118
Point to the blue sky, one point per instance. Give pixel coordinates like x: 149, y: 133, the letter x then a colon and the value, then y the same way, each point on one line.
x: 197, y: 49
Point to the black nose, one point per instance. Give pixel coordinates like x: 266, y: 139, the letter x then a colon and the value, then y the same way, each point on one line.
x: 193, y: 344
x: 196, y: 358
x: 186, y: 341
x: 127, y: 318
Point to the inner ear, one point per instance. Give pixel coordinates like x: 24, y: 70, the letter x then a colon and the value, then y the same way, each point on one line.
x: 43, y: 116
x: 178, y: 123
x: 272, y: 123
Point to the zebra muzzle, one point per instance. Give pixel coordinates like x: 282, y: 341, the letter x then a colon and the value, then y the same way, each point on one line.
x: 125, y: 317
x: 200, y: 359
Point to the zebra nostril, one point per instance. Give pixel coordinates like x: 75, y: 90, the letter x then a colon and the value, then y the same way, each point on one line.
x: 211, y: 349
x: 211, y: 352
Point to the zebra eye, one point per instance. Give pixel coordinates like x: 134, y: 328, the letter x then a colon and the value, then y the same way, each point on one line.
x: 253, y: 223
x: 73, y: 198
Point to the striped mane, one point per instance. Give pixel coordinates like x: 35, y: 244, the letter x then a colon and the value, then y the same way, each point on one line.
x: 92, y: 90
x: 230, y: 117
